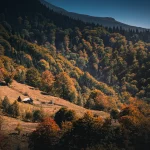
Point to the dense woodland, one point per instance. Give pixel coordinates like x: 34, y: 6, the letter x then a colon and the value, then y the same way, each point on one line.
x: 89, y: 65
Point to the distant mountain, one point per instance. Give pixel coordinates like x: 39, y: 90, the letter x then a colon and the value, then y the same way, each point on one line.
x: 104, y: 21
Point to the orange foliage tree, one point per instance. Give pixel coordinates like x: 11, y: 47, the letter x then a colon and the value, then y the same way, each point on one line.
x: 47, y: 81
x: 46, y: 136
x: 65, y: 87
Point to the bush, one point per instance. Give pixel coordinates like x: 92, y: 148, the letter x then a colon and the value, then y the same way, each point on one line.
x: 18, y: 128
x: 8, y: 80
x: 38, y: 115
x: 28, y: 116
x: 114, y: 113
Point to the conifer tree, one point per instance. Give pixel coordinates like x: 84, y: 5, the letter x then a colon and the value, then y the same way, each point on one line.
x: 15, y: 109
x: 6, y: 105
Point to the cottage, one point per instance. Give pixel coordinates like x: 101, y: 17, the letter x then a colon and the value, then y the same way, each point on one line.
x: 28, y: 100
x: 3, y: 83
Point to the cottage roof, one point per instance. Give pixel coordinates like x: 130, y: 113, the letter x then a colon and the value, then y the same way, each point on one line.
x: 26, y: 99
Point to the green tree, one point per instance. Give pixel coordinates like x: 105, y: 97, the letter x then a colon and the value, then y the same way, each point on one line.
x: 85, y: 132
x: 20, y: 74
x: 15, y: 109
x: 8, y: 78
x: 65, y: 87
x: 43, y: 65
x: 28, y: 116
x: 33, y: 77
x: 6, y: 105
x: 38, y: 115
x: 114, y: 114
x: 64, y: 115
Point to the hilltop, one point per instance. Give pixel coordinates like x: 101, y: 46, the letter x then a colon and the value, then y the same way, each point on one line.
x: 104, y: 21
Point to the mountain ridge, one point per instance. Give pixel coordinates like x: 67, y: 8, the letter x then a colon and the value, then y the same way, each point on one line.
x: 104, y: 21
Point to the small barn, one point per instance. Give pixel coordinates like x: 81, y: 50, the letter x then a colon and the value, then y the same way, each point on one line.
x: 28, y: 100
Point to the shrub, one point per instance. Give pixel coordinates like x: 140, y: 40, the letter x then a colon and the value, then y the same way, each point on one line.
x: 64, y: 115
x: 114, y: 113
x: 38, y: 115
x: 28, y: 116
x: 18, y: 128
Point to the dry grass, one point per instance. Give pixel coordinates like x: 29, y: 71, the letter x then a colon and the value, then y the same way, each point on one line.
x: 9, y: 125
x: 13, y: 140
x: 24, y: 91
x: 21, y: 90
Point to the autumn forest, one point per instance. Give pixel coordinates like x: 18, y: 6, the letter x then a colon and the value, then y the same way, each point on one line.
x: 98, y: 68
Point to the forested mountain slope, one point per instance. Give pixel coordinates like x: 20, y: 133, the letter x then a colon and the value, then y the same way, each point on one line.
x: 104, y: 21
x: 61, y: 62
x: 86, y: 64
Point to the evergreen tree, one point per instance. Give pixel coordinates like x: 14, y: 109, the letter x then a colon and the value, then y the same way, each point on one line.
x: 38, y: 115
x: 6, y: 105
x: 15, y: 109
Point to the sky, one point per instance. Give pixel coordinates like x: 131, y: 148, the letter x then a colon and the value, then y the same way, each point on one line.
x: 132, y: 12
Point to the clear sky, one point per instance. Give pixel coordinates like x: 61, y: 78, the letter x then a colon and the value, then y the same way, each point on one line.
x: 132, y: 12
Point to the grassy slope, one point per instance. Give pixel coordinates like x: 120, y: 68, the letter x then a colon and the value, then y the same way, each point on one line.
x: 18, y: 89
x: 9, y: 124
x: 13, y: 140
